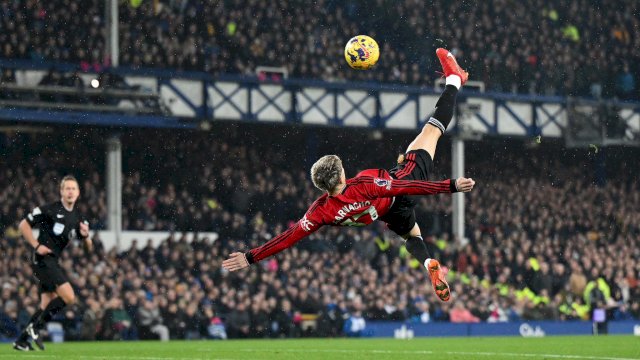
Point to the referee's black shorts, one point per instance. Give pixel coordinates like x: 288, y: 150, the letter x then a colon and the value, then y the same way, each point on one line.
x: 48, y: 273
x: 417, y: 165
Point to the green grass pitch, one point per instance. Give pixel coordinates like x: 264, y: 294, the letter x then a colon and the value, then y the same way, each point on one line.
x: 489, y: 348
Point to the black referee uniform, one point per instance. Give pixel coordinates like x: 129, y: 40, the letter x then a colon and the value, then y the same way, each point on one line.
x: 58, y: 226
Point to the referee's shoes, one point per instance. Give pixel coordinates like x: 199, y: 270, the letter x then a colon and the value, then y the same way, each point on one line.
x: 23, y: 346
x: 35, y: 335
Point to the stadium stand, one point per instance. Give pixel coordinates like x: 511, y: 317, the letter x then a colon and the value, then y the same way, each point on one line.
x: 544, y: 240
x: 528, y: 47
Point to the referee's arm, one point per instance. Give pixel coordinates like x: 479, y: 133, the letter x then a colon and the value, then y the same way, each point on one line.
x: 27, y: 232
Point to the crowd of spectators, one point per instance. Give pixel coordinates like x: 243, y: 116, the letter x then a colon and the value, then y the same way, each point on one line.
x: 569, y: 47
x: 31, y: 173
x: 544, y: 241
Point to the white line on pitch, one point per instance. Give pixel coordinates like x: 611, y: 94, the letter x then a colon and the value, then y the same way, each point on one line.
x: 421, y: 352
x: 556, y: 356
x: 31, y: 356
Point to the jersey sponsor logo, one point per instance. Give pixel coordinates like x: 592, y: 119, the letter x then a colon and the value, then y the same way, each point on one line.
x: 59, y: 216
x: 305, y: 223
x: 58, y: 228
x: 386, y: 183
x: 36, y: 211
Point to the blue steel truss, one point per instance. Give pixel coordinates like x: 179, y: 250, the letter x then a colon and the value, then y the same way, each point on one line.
x: 381, y: 112
x: 243, y: 98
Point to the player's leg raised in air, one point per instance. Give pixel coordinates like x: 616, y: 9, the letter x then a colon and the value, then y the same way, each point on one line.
x: 419, y: 162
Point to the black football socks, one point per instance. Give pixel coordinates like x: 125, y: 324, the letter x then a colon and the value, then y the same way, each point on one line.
x: 417, y: 248
x: 52, y: 309
x: 444, y: 108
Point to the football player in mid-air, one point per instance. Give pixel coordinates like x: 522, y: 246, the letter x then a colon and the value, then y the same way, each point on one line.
x: 378, y: 194
x: 59, y: 223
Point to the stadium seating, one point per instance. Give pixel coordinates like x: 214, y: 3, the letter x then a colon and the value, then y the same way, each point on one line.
x: 530, y: 47
x: 551, y: 233
x: 543, y: 228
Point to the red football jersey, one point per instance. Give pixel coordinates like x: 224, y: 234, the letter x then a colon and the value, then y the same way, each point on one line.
x: 366, y: 197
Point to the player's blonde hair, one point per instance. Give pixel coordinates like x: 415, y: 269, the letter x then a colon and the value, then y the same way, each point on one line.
x: 326, y: 172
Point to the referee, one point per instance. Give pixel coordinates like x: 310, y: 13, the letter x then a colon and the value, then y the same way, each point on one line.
x: 59, y: 223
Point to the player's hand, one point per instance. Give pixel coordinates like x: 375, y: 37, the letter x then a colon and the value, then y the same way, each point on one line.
x: 236, y: 261
x: 43, y: 250
x: 464, y: 184
x: 84, y: 229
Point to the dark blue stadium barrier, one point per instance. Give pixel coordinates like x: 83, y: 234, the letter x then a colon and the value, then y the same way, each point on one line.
x: 525, y: 329
x: 624, y: 327
x: 532, y: 329
x: 95, y: 118
x: 402, y: 330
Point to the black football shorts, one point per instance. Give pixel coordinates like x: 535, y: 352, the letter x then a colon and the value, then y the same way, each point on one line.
x: 48, y: 273
x: 416, y: 165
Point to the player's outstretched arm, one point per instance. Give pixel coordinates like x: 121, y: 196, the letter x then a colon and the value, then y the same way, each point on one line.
x: 394, y: 187
x: 295, y: 233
